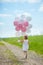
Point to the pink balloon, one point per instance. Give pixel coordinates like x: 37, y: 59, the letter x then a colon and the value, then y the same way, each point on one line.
x: 17, y: 28
x: 23, y: 29
x: 20, y: 25
x: 16, y: 23
x: 26, y: 23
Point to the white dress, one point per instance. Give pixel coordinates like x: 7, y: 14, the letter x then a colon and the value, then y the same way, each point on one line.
x: 25, y: 45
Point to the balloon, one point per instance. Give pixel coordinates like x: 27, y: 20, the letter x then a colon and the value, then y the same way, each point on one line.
x: 21, y: 20
x: 23, y: 29
x: 16, y: 23
x: 17, y: 28
x: 26, y: 23
x: 28, y: 31
x: 22, y: 17
x: 20, y: 25
x: 28, y: 18
x: 30, y: 26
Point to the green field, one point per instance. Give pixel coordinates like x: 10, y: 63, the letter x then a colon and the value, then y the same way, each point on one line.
x: 36, y: 43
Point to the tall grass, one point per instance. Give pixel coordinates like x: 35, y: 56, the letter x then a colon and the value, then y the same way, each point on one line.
x: 35, y: 42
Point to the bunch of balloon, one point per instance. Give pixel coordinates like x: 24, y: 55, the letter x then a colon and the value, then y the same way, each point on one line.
x: 22, y: 24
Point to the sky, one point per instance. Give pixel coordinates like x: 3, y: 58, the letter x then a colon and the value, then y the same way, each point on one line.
x: 9, y: 9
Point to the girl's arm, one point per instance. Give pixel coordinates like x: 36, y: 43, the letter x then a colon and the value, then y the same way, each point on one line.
x: 22, y: 41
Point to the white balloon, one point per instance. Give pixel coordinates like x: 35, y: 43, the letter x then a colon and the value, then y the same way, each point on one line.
x: 30, y: 26
x: 28, y: 18
x: 22, y: 18
x: 28, y: 31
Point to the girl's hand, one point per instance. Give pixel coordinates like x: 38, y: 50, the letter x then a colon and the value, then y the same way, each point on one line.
x: 18, y: 40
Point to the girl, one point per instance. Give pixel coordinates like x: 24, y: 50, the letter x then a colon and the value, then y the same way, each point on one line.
x: 25, y: 46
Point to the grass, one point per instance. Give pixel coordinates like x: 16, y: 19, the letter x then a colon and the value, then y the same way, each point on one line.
x: 35, y: 42
x: 1, y: 43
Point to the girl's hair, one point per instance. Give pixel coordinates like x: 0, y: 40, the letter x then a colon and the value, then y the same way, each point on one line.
x: 25, y: 37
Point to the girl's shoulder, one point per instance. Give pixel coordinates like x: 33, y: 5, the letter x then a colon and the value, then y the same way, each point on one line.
x: 26, y: 40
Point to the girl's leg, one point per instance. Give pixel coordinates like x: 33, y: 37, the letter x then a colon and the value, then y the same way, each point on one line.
x: 25, y: 53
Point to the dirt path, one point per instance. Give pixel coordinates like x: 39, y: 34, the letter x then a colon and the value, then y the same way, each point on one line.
x: 6, y: 56
x: 33, y: 58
